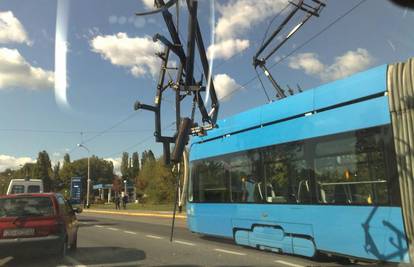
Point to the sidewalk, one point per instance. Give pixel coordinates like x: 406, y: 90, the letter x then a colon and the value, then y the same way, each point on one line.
x: 139, y: 213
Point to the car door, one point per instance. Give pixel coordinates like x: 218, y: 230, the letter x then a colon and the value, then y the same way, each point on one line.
x: 72, y: 221
x: 67, y: 218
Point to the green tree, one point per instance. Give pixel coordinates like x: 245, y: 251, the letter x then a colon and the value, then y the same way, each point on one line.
x: 147, y: 156
x: 66, y: 159
x: 43, y: 170
x: 135, y: 165
x: 156, y: 182
x: 125, y: 165
x: 27, y: 170
x: 57, y: 182
x: 5, y: 177
x: 101, y: 171
x: 56, y: 170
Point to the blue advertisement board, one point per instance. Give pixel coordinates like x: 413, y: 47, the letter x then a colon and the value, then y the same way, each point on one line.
x: 76, y: 190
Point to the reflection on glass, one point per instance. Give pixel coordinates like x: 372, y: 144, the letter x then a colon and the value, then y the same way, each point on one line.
x: 343, y: 169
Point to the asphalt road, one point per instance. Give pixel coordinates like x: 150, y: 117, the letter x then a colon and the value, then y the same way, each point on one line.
x: 121, y: 240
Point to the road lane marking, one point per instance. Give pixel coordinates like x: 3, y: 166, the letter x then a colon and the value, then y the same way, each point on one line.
x: 136, y: 214
x: 154, y: 236
x: 184, y: 243
x: 289, y: 263
x: 129, y: 232
x: 113, y: 229
x: 99, y: 226
x: 230, y: 252
x: 74, y: 262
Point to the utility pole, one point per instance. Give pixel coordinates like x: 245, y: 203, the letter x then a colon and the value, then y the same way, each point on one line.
x: 88, y: 184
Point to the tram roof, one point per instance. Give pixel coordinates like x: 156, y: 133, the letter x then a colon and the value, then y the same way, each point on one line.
x: 340, y: 92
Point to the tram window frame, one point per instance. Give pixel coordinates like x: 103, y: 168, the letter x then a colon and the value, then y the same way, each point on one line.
x: 349, y: 188
x: 292, y: 188
x: 309, y: 158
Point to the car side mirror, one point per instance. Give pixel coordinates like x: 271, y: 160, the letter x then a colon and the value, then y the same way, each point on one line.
x: 77, y: 210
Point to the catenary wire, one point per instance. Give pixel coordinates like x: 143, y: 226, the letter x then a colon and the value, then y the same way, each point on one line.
x: 300, y: 46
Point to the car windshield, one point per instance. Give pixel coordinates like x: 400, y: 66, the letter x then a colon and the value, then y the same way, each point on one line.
x: 26, y: 206
x: 17, y: 189
x: 33, y: 189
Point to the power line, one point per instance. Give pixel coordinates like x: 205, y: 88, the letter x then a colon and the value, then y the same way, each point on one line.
x: 51, y: 131
x: 107, y: 129
x: 130, y: 147
x: 110, y: 128
x: 241, y: 86
x: 300, y: 46
x: 318, y: 33
x: 264, y: 37
x: 271, y: 22
x: 264, y: 89
x: 142, y: 141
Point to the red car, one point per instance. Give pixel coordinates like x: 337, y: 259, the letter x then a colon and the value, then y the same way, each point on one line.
x: 31, y: 224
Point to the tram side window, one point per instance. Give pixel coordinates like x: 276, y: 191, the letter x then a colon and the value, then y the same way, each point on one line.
x: 245, y: 178
x: 287, y: 180
x: 350, y: 168
x: 210, y: 181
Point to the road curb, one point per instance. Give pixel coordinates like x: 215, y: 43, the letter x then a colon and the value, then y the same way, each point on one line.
x: 139, y: 214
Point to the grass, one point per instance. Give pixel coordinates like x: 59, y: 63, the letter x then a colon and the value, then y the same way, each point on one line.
x: 137, y: 206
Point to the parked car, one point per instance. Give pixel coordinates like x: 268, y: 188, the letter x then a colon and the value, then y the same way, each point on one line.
x: 20, y: 186
x: 32, y: 224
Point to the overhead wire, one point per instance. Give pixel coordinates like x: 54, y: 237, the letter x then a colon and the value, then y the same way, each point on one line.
x: 106, y: 130
x: 50, y: 131
x: 245, y: 83
x: 142, y: 141
x: 272, y: 20
x: 263, y: 87
x: 300, y: 46
x: 111, y: 127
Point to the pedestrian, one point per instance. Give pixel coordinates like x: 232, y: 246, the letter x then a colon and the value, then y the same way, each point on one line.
x: 117, y: 202
x: 124, y: 201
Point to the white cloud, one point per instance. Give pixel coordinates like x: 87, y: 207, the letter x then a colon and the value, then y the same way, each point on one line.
x: 225, y: 86
x: 11, y: 30
x: 149, y: 4
x: 227, y: 48
x: 136, y: 53
x: 309, y: 62
x: 15, y: 71
x: 236, y: 17
x: 12, y: 162
x: 343, y: 66
x: 117, y: 164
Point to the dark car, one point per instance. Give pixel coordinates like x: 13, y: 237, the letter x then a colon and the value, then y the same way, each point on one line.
x: 33, y: 224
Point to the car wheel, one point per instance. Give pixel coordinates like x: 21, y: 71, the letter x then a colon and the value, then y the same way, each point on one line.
x: 63, y: 249
x: 74, y: 244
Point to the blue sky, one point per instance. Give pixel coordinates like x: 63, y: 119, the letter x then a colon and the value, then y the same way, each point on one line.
x: 110, y: 66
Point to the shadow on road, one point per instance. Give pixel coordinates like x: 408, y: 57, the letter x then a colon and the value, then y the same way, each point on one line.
x: 108, y: 256
x: 219, y: 240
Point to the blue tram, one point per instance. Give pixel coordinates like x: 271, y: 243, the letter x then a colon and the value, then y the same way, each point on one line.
x: 313, y: 172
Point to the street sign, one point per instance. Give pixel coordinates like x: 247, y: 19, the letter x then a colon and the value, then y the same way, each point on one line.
x: 76, y: 190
